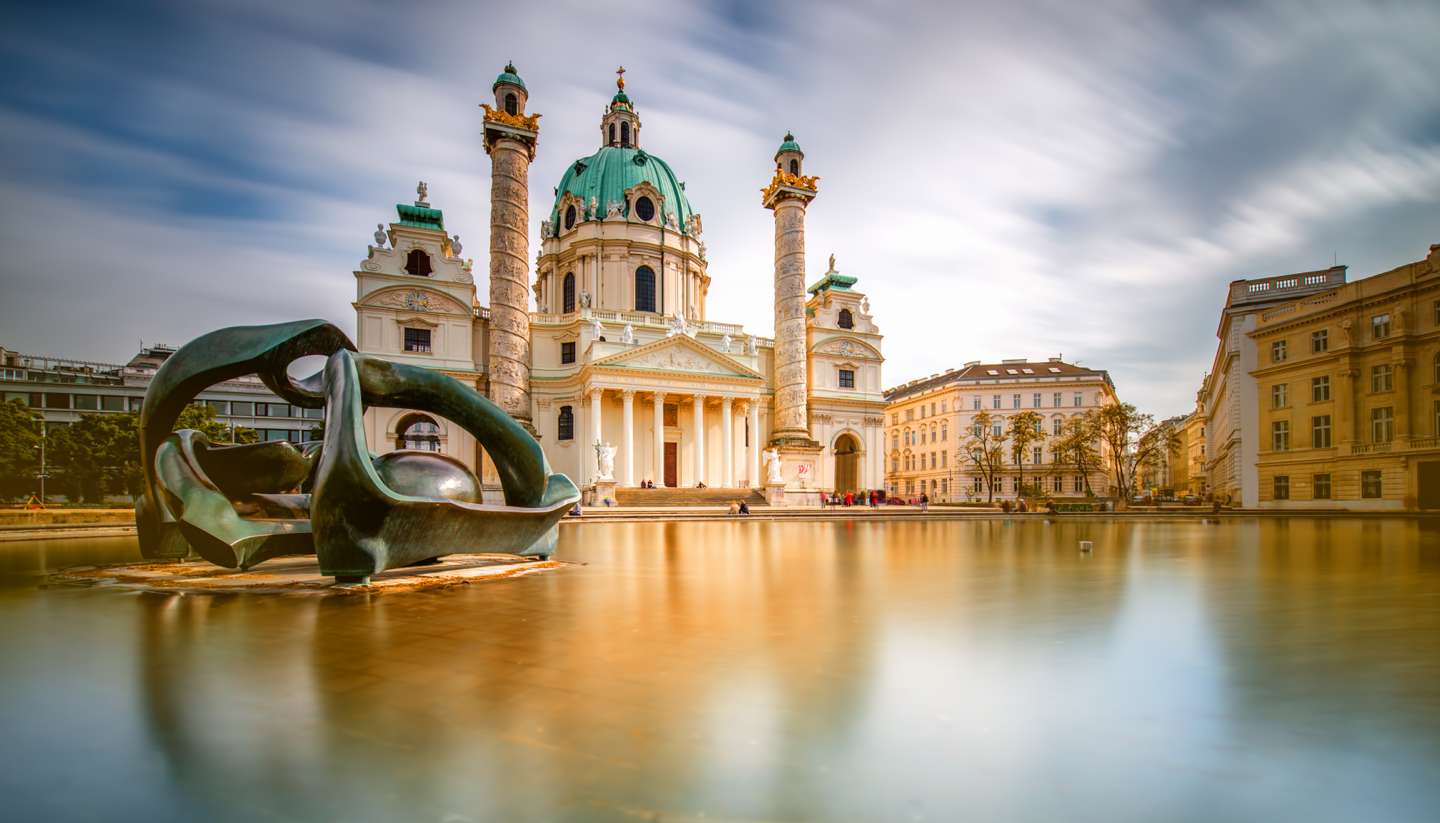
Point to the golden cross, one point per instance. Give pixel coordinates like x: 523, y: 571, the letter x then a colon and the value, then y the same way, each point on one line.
x: 620, y: 77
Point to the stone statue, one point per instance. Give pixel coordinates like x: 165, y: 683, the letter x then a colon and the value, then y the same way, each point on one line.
x: 239, y: 505
x: 423, y: 191
x: 380, y: 236
x: 584, y: 298
x: 594, y: 207
x: 628, y: 335
x: 546, y: 229
x: 752, y: 346
x: 596, y: 330
x: 670, y: 221
x: 678, y: 325
x: 455, y: 247
x: 725, y: 344
x: 772, y: 465
x: 613, y: 209
x: 604, y: 461
x: 865, y: 305
x: 832, y: 262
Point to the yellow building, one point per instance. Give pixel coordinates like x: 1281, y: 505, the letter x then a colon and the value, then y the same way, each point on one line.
x: 929, y: 419
x: 1348, y: 389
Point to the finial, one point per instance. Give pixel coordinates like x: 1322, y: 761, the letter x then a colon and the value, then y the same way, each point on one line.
x: 620, y: 78
x: 423, y: 191
x: 510, y: 66
x: 788, y: 136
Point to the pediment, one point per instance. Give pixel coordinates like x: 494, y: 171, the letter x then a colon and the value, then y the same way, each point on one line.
x: 848, y: 347
x: 415, y: 299
x: 679, y: 354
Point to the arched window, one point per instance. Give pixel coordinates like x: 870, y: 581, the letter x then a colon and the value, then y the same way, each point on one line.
x: 625, y: 135
x: 794, y: 166
x: 512, y: 106
x: 846, y: 319
x: 418, y: 432
x: 644, y: 289
x: 565, y: 428
x: 567, y: 293
x: 417, y: 263
x: 612, y: 134
x: 570, y: 217
x: 1437, y: 367
x: 645, y: 209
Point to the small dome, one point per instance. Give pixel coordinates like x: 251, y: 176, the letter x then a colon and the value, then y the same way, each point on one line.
x: 609, y: 172
x: 509, y: 76
x: 789, y: 145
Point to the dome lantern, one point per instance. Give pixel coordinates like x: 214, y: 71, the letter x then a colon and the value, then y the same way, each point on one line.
x: 620, y: 126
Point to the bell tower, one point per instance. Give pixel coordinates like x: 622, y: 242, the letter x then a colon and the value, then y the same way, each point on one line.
x: 620, y: 126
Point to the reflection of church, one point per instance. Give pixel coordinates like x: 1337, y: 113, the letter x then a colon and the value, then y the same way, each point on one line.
x: 618, y: 353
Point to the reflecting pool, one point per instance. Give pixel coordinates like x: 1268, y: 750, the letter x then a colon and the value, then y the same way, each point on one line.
x: 758, y: 671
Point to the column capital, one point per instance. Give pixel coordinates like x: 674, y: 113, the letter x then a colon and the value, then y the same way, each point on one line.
x: 595, y: 392
x: 628, y: 394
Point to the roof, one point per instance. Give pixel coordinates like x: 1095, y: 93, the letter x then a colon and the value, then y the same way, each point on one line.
x: 509, y: 76
x: 833, y: 280
x: 421, y: 217
x: 789, y: 145
x: 1009, y: 371
x: 608, y: 173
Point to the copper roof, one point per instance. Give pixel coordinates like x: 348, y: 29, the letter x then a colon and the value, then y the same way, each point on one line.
x: 986, y: 372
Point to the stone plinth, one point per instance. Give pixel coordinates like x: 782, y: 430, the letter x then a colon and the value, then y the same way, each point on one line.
x: 775, y: 494
x: 602, y: 490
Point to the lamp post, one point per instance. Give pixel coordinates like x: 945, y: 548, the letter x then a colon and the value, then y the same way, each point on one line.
x: 42, y: 475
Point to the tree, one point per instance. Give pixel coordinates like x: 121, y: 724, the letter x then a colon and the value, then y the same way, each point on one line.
x: 985, y: 451
x: 19, y: 449
x: 1133, y: 442
x: 1075, y: 446
x: 1024, y: 432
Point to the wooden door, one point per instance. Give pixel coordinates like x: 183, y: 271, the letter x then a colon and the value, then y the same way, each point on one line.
x: 672, y: 457
x: 1429, y: 485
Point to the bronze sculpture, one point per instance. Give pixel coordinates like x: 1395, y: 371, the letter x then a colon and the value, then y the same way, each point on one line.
x: 238, y: 505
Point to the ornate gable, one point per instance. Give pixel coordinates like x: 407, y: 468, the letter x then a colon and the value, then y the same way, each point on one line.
x: 678, y: 354
x: 848, y: 347
x: 416, y: 299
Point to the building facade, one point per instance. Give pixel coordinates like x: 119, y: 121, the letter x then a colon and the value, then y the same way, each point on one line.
x: 623, y: 378
x: 930, y: 420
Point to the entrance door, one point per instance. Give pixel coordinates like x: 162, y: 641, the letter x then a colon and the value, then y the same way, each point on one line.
x: 1430, y: 485
x: 672, y: 458
x: 847, y: 464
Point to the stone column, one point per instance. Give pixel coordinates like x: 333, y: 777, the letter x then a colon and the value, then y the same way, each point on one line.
x: 1402, y: 396
x: 727, y: 445
x: 511, y: 149
x: 790, y: 414
x: 699, y: 438
x: 755, y: 444
x: 1345, y: 405
x: 627, y: 438
x: 659, y: 477
x: 596, y: 432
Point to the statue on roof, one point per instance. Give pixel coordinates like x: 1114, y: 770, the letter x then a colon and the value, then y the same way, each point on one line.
x: 379, y: 235
x: 423, y: 191
x: 455, y: 247
x: 832, y: 261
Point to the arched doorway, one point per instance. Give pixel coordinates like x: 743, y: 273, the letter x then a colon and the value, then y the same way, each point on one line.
x: 847, y: 463
x: 418, y: 432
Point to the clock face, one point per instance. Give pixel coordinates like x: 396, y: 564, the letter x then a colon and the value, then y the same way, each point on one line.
x: 417, y: 301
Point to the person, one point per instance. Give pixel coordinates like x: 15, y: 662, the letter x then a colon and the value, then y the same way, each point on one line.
x: 575, y: 510
x: 824, y: 498
x: 734, y: 507
x: 1020, y: 505
x: 744, y: 508
x: 849, y: 499
x: 924, y: 502
x: 874, y: 499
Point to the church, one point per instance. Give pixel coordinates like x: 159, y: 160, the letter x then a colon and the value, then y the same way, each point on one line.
x: 617, y: 370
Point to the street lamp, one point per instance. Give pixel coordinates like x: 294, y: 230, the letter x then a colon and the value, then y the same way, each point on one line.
x: 42, y: 475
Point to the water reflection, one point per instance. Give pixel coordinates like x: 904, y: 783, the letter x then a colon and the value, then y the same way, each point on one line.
x: 770, y: 671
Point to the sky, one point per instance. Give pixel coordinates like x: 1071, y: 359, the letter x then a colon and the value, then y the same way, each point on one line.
x: 1018, y: 179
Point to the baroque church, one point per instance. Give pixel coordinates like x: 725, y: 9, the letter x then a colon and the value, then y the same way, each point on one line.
x: 617, y: 370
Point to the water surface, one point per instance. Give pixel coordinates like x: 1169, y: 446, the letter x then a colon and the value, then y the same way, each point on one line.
x: 758, y: 671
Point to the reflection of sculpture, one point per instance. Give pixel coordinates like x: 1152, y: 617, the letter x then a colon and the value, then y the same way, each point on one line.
x: 772, y: 464
x: 604, y: 461
x: 240, y: 505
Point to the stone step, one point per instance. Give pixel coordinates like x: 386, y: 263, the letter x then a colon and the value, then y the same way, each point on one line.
x: 672, y: 497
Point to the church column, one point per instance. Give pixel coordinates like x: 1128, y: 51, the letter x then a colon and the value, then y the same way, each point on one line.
x: 788, y: 195
x: 699, y: 438
x: 627, y: 437
x: 510, y: 142
x: 658, y: 478
x: 596, y: 432
x: 755, y: 443
x: 727, y: 444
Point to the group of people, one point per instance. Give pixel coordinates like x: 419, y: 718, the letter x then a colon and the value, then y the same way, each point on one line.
x: 739, y: 507
x: 864, y: 497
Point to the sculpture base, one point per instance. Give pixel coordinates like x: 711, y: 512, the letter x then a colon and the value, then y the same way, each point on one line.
x: 602, y: 490
x: 775, y: 495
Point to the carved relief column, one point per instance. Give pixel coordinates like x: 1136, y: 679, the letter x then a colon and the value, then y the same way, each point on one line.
x: 658, y: 478
x: 788, y: 197
x: 727, y: 444
x: 627, y: 437
x: 699, y: 438
x: 510, y: 142
x: 754, y: 478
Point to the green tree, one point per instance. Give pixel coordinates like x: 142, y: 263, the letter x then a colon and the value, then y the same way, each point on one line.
x: 19, y: 450
x: 1132, y: 443
x: 1025, y: 430
x: 985, y: 451
x: 1075, y: 446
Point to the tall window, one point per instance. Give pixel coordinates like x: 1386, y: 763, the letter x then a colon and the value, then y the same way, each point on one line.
x: 975, y: 402
x: 1280, y: 435
x: 1319, y: 389
x: 565, y: 429
x: 567, y: 293
x: 1277, y: 351
x: 1381, y: 378
x: 1036, y: 400
x: 1437, y: 417
x: 512, y: 106
x: 1014, y: 401
x: 998, y: 429
x: 418, y: 433
x: 1437, y: 367
x: 1320, y: 341
x: 1380, y: 326
x: 417, y: 263
x: 417, y: 340
x: 1058, y: 399
x: 1320, y: 431
x: 847, y: 378
x: 1382, y: 424
x: 1279, y: 393
x: 1037, y: 455
x: 1370, y: 483
x: 625, y: 135
x: 845, y: 320
x: 570, y: 217
x: 1282, y: 487
x: 644, y: 288
x: 944, y: 432
x: 1322, y: 486
x: 995, y: 401
x: 567, y: 351
x: 794, y: 166
x: 612, y: 134
x: 1055, y: 426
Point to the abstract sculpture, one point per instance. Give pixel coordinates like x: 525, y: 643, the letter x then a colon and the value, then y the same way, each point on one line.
x: 237, y: 506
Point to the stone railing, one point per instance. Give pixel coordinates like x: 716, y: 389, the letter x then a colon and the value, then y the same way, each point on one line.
x: 1266, y: 288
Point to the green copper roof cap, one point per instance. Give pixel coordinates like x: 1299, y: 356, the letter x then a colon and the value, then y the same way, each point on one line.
x: 789, y: 145
x: 420, y: 217
x: 607, y: 174
x: 509, y: 76
x: 620, y: 99
x: 833, y: 280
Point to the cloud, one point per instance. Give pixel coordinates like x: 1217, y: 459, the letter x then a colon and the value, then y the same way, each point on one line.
x: 1006, y: 181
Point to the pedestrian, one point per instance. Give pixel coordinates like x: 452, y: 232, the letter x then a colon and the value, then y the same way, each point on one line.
x: 734, y: 507
x: 744, y: 508
x: 924, y: 502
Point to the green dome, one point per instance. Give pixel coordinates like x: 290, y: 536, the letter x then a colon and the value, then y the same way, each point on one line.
x: 788, y: 145
x: 509, y: 76
x: 609, y: 172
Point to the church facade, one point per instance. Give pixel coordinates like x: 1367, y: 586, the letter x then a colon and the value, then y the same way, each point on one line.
x: 617, y: 369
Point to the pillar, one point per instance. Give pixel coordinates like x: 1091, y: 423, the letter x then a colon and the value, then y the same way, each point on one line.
x: 727, y: 445
x: 511, y: 148
x: 596, y: 431
x: 698, y: 440
x: 1345, y: 405
x: 755, y: 444
x: 788, y: 196
x: 659, y: 476
x: 627, y: 438
x: 1402, y: 397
